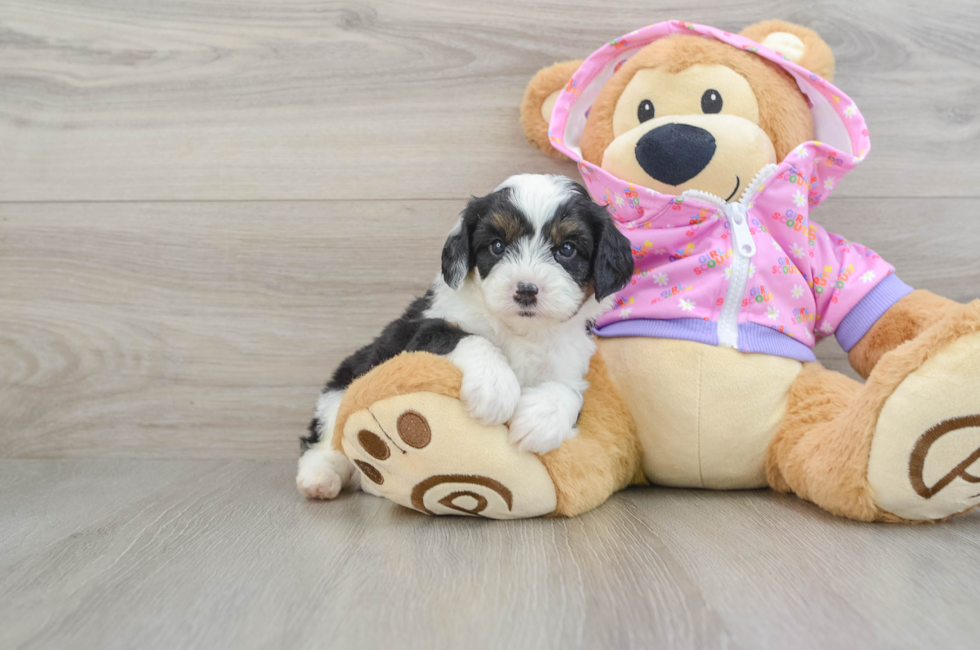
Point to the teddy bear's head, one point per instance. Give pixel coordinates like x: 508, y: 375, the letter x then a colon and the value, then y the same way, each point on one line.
x: 687, y: 113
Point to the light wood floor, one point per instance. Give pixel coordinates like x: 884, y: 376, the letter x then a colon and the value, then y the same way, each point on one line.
x: 222, y: 554
x: 194, y: 197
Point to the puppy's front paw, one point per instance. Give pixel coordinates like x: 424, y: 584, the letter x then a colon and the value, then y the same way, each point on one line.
x: 491, y: 394
x: 490, y: 389
x: 545, y: 417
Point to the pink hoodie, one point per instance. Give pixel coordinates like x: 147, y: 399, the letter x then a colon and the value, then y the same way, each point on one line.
x: 756, y: 275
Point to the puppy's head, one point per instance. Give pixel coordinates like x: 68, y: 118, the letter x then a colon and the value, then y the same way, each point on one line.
x: 538, y: 248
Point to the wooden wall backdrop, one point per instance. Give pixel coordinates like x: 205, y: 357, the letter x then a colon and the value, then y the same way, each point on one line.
x: 204, y: 206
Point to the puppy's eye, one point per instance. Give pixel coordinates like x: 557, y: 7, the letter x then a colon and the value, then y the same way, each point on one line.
x: 645, y: 111
x: 566, y: 250
x: 497, y: 247
x: 711, y: 101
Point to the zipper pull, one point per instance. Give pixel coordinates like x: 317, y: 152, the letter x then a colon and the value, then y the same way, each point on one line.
x: 741, y: 236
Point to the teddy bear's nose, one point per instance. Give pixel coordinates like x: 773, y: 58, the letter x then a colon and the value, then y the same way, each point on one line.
x: 675, y: 153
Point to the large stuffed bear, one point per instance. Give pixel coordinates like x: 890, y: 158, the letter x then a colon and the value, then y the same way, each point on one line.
x: 710, y: 149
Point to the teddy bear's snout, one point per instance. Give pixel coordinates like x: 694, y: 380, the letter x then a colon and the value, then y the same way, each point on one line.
x: 675, y: 153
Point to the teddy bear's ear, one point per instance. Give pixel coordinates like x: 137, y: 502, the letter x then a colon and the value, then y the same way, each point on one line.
x: 539, y: 99
x: 798, y: 44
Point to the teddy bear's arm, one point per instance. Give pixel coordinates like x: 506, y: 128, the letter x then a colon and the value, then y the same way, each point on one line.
x: 902, y: 322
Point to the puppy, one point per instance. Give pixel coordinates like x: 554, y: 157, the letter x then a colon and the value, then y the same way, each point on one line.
x: 525, y: 273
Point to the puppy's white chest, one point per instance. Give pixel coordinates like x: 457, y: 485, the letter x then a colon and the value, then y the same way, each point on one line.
x: 531, y: 364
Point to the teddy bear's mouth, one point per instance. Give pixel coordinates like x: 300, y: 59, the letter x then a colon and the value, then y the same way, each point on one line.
x: 738, y: 182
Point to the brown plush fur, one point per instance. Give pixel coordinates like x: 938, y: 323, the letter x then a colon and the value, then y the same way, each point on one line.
x: 409, y: 372
x: 783, y: 111
x: 903, y: 322
x: 821, y: 449
x: 545, y: 82
x: 605, y: 455
x: 823, y: 458
x: 817, y: 56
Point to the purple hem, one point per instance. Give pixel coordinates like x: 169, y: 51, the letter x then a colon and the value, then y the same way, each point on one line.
x: 752, y: 338
x: 687, y: 329
x: 870, y: 308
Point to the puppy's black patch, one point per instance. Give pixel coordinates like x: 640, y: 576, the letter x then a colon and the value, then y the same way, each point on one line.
x: 484, y: 221
x: 412, y: 332
x: 613, y: 259
x: 312, y: 438
x: 602, y: 254
x: 456, y: 258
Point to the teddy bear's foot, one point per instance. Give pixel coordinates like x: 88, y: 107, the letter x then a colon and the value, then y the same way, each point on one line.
x: 904, y: 446
x: 925, y: 454
x: 404, y: 447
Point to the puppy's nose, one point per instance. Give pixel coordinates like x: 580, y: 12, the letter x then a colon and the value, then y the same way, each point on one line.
x: 526, y: 294
x: 675, y: 153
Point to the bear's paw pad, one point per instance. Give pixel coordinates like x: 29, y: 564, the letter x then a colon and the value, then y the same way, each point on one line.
x: 423, y: 451
x: 925, y: 456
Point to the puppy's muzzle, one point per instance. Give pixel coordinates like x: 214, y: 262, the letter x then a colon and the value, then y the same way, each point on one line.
x: 526, y: 294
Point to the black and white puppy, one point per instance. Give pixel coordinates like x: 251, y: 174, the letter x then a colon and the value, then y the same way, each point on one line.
x: 525, y: 273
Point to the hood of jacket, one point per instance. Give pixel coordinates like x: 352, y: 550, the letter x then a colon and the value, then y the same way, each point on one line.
x: 841, y: 134
x: 756, y: 275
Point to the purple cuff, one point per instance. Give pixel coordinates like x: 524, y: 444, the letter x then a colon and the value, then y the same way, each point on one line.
x: 867, y: 312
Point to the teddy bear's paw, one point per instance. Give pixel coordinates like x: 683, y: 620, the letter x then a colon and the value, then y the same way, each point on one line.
x: 424, y: 451
x: 925, y: 454
x: 545, y: 417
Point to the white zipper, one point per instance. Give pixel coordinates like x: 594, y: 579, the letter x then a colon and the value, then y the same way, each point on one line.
x: 743, y: 249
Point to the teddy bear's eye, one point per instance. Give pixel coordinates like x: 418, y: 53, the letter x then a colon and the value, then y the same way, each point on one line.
x: 645, y: 111
x: 711, y: 101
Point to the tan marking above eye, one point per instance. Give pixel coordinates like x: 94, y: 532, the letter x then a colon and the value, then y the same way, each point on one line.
x: 564, y: 229
x: 510, y: 227
x: 680, y: 93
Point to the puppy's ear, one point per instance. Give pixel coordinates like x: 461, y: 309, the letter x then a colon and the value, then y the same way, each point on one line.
x: 613, y: 258
x: 456, y: 259
x: 539, y: 99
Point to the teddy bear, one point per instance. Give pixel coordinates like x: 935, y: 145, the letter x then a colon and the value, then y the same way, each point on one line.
x: 710, y: 150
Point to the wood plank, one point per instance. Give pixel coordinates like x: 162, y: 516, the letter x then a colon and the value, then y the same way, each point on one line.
x: 314, y: 99
x: 205, y: 330
x: 225, y: 554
